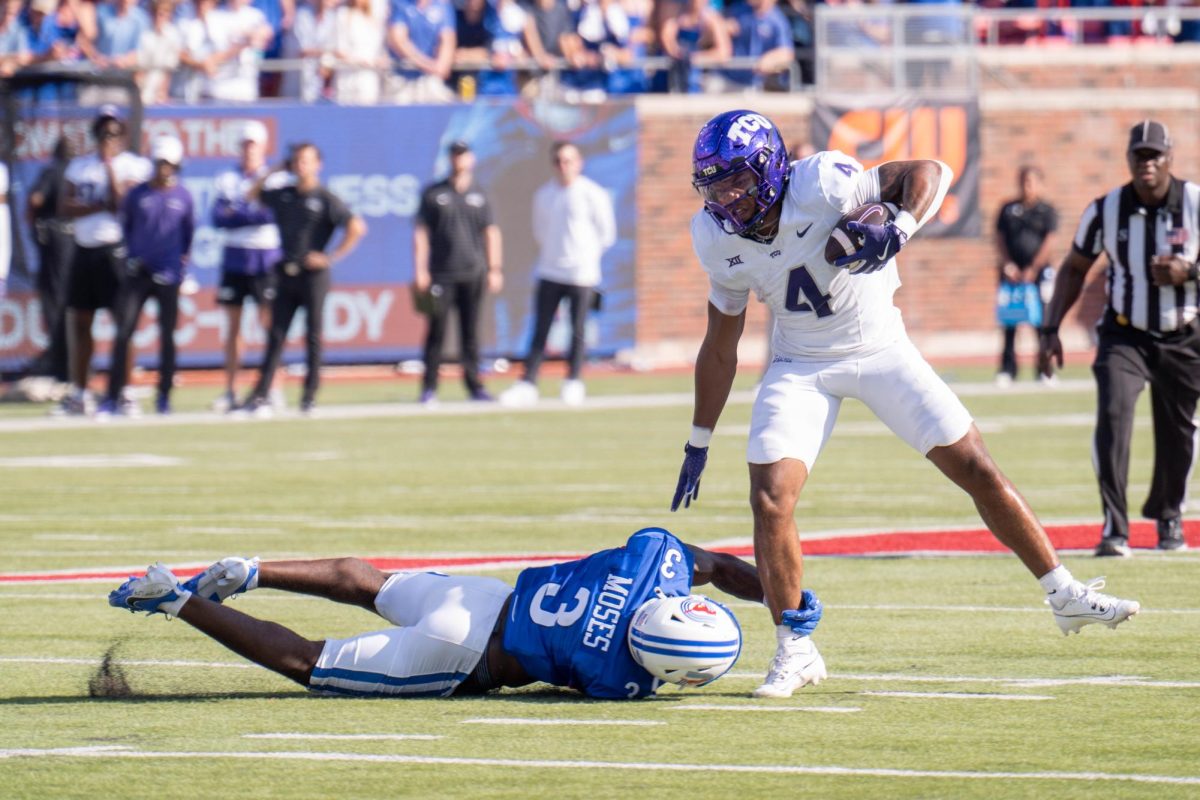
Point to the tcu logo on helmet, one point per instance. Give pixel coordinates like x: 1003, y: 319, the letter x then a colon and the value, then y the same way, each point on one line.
x: 742, y: 129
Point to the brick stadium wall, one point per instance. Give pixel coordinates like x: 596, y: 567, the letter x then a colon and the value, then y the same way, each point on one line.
x: 1076, y: 136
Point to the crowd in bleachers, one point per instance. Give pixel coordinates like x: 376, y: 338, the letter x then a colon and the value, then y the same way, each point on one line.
x: 369, y: 51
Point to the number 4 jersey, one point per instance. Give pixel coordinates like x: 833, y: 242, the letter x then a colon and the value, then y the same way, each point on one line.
x: 821, y: 311
x: 567, y: 623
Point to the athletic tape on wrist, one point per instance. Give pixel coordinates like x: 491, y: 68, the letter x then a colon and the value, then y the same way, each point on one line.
x: 700, y: 436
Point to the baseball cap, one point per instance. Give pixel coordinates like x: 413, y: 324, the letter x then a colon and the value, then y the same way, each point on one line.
x: 168, y: 149
x: 109, y: 111
x: 458, y: 147
x: 254, y: 131
x: 1150, y: 135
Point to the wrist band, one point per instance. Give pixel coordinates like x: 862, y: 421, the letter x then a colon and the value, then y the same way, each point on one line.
x: 700, y: 436
x: 906, y: 222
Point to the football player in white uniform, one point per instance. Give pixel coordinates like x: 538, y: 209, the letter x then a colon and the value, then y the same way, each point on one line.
x: 837, y: 334
x: 96, y: 184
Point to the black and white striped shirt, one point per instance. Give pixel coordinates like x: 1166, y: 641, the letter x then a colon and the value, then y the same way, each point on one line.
x: 1132, y: 234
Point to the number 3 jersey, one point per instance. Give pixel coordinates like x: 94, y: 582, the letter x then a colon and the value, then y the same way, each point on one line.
x: 567, y: 623
x: 821, y: 311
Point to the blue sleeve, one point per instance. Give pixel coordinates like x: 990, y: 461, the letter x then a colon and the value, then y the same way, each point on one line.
x: 782, y: 31
x: 189, y: 224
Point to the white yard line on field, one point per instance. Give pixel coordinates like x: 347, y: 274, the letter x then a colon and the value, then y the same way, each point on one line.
x: 117, y: 752
x: 531, y: 721
x: 356, y: 737
x: 959, y: 695
x: 751, y: 707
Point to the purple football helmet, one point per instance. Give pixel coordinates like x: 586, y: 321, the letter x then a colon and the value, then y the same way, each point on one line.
x: 746, y: 145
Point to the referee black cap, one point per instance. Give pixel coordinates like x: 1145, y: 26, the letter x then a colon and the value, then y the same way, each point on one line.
x: 1149, y: 135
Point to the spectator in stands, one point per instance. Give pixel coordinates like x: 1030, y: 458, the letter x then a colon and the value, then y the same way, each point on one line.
x: 158, y: 219
x: 600, y: 44
x: 489, y: 35
x: 249, y: 34
x: 221, y: 46
x: 113, y: 42
x: 55, y: 246
x: 548, y: 24
x: 627, y: 77
x: 573, y: 223
x: 250, y: 252
x: 799, y: 14
x: 361, y: 53
x: 15, y: 49
x: 421, y: 32
x: 313, y: 39
x: 53, y: 29
x: 694, y: 37
x: 280, y: 15
x: 158, y: 54
x: 759, y: 31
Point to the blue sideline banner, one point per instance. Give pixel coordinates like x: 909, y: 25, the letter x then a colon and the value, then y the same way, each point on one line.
x: 377, y: 159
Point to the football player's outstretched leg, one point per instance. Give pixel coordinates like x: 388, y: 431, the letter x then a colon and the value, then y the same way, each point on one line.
x: 617, y: 624
x: 816, y: 240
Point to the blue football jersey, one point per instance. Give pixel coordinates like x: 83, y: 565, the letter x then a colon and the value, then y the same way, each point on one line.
x: 567, y: 623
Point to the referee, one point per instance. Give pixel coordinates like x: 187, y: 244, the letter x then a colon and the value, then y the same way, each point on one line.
x: 307, y: 214
x: 1149, y: 229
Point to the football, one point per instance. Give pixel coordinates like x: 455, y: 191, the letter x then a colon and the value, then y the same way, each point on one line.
x: 844, y: 242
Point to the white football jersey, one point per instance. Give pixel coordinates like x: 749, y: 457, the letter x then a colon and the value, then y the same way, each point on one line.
x: 89, y: 179
x: 821, y: 311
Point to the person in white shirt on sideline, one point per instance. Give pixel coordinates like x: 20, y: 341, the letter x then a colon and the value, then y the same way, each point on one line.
x: 96, y: 184
x: 573, y: 222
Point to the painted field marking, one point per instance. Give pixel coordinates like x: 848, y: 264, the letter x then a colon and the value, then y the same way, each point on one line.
x: 748, y: 707
x: 356, y: 737
x: 958, y: 695
x: 535, y: 721
x: 91, y: 461
x: 1137, y: 681
x: 115, y: 752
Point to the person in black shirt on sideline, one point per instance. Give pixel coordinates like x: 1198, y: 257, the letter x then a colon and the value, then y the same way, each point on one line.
x: 456, y: 254
x: 1024, y: 236
x: 307, y: 215
x: 1150, y: 230
x: 55, y: 246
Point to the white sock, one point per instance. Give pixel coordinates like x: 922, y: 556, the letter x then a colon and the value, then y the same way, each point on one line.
x: 171, y: 608
x: 787, y: 638
x: 1056, y: 579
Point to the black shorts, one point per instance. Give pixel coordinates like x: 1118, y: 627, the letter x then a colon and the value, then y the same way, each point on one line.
x: 235, y: 288
x: 96, y: 273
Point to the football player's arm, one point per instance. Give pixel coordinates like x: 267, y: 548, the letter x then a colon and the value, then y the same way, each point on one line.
x: 716, y: 367
x: 728, y: 573
x: 917, y: 187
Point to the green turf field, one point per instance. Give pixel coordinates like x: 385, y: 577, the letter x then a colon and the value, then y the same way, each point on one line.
x: 948, y: 678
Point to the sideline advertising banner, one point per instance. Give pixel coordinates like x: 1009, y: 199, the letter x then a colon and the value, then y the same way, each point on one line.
x: 948, y: 132
x: 377, y: 159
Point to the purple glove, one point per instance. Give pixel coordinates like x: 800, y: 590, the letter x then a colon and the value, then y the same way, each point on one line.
x: 803, y: 621
x: 688, y: 488
x: 880, y: 244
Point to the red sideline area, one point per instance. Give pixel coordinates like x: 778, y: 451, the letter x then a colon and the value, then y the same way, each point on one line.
x: 967, y: 540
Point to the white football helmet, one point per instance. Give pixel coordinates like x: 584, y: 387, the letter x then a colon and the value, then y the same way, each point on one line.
x: 689, y: 640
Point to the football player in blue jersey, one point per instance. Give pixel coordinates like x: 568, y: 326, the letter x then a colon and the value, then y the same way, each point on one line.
x: 617, y: 624
x: 837, y: 334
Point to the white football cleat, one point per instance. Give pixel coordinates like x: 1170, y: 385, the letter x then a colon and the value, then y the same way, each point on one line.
x: 521, y: 394
x: 797, y: 663
x: 228, y: 577
x: 573, y: 392
x: 1082, y: 604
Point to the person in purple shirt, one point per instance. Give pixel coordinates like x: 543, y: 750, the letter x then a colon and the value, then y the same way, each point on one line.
x: 159, y: 222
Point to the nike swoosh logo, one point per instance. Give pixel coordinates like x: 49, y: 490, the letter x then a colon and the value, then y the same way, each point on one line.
x: 800, y: 234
